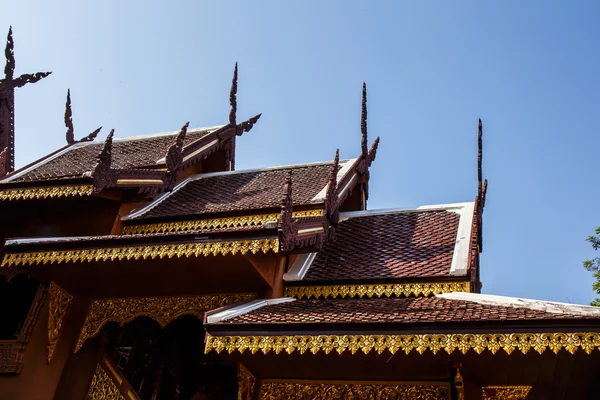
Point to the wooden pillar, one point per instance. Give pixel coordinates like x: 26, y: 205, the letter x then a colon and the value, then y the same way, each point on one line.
x: 278, y: 281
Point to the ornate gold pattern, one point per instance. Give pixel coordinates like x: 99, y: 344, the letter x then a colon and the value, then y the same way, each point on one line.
x: 505, y: 392
x: 214, y: 223
x: 46, y: 192
x: 377, y: 290
x: 163, y: 310
x: 524, y: 342
x: 102, y: 387
x: 342, y: 390
x: 57, y: 309
x: 144, y: 252
x: 246, y: 383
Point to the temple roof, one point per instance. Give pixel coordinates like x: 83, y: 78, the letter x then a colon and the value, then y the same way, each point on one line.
x: 242, y: 190
x: 439, y: 309
x: 144, y: 151
x: 430, y: 241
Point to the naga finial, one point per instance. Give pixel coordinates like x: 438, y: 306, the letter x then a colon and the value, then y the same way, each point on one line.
x: 69, y: 119
x: 91, y: 136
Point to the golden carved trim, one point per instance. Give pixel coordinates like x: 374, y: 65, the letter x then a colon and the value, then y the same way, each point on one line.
x: 144, y: 252
x: 214, y: 223
x: 163, y: 310
x: 276, y: 390
x: 505, y: 392
x: 59, y: 303
x: 376, y: 290
x: 140, y: 182
x: 46, y: 192
x: 246, y: 383
x: 102, y: 387
x: 524, y: 342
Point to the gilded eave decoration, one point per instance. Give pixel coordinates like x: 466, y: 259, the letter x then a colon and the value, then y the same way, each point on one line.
x: 142, y: 252
x: 46, y: 192
x: 214, y: 223
x: 354, y: 390
x: 58, y: 306
x: 103, y: 387
x: 246, y: 383
x: 376, y: 290
x: 493, y: 342
x: 163, y: 310
x: 505, y: 392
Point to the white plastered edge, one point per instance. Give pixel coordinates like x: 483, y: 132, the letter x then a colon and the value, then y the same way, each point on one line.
x: 539, y: 305
x: 299, y: 267
x: 244, y: 309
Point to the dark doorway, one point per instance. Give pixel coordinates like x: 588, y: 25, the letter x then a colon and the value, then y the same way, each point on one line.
x: 170, y: 364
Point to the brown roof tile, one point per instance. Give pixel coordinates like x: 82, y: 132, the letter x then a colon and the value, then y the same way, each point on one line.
x: 241, y: 190
x: 389, y: 246
x: 126, y: 153
x: 391, y: 310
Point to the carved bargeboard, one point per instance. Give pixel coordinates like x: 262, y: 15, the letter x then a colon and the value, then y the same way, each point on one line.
x: 163, y: 310
x: 279, y: 390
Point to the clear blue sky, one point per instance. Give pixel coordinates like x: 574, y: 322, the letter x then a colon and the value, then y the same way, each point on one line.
x: 528, y: 69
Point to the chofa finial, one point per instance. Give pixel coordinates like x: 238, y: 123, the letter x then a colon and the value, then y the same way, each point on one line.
x: 233, y: 97
x: 363, y: 121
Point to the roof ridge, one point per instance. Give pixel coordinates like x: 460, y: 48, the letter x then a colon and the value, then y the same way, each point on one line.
x: 162, y: 134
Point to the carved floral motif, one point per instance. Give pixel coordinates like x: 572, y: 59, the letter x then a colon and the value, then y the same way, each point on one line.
x: 46, y: 192
x: 58, y: 306
x: 505, y: 392
x: 376, y: 290
x: 163, y: 310
x: 143, y: 252
x: 102, y: 387
x: 523, y: 342
x: 342, y: 391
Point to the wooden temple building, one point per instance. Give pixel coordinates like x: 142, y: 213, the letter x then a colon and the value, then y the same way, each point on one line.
x: 149, y: 268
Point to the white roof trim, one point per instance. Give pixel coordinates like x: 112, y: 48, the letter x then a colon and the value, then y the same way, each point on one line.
x: 142, y: 211
x: 82, y: 144
x: 539, y: 305
x: 453, y: 207
x: 244, y: 309
x: 346, y: 164
x: 462, y: 250
x: 299, y: 267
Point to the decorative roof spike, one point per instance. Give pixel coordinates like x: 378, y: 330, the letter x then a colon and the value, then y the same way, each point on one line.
x: 3, y: 155
x: 331, y: 195
x: 69, y: 119
x: 363, y: 121
x: 91, y: 136
x: 233, y: 97
x: 246, y: 126
x: 105, y: 156
x: 479, y: 158
x: 9, y: 52
x: 287, y: 228
x: 373, y: 151
x: 102, y: 173
x: 174, y: 157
